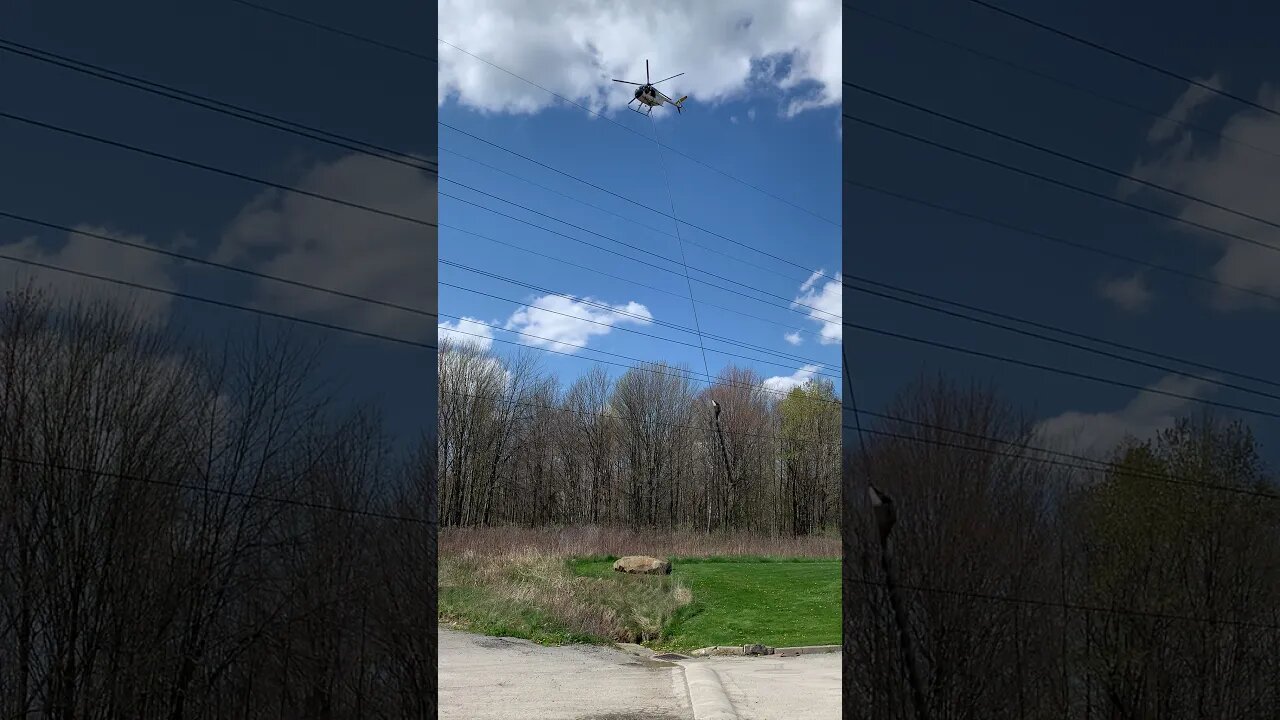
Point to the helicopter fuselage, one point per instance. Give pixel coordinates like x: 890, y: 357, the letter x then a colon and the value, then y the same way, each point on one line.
x: 648, y: 95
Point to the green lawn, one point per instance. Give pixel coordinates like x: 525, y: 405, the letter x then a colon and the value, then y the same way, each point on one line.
x: 737, y: 601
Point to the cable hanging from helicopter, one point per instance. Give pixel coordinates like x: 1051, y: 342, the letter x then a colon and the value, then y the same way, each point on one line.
x: 650, y: 96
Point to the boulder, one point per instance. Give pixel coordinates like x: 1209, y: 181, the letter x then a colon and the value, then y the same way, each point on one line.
x: 642, y: 565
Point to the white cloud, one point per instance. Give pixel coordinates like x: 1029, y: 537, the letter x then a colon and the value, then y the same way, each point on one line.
x: 751, y: 114
x: 1183, y: 108
x: 824, y: 305
x: 1096, y: 434
x: 99, y: 257
x: 577, y: 49
x: 468, y: 331
x: 560, y: 323
x: 1129, y: 293
x: 793, y: 338
x: 1233, y: 175
x: 784, y: 383
x: 344, y: 248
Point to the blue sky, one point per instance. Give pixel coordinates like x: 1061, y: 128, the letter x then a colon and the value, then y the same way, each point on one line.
x: 232, y: 53
x: 972, y: 262
x: 744, y: 131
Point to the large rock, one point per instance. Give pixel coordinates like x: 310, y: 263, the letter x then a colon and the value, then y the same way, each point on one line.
x: 642, y: 565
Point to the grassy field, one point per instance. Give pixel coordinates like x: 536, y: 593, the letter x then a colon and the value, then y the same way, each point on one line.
x: 557, y: 586
x: 736, y: 601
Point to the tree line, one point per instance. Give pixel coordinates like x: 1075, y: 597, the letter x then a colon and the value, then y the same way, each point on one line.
x: 639, y: 450
x: 175, y: 533
x: 1146, y: 588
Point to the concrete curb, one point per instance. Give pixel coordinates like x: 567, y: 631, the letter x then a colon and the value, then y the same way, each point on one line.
x: 758, y: 650
x: 806, y: 650
x: 707, y: 694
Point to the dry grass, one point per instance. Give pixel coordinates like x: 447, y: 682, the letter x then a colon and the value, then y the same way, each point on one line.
x: 535, y: 594
x: 588, y: 541
x: 518, y: 581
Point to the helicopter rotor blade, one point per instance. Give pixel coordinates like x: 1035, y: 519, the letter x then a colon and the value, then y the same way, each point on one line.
x: 666, y: 79
x: 628, y: 82
x: 646, y: 72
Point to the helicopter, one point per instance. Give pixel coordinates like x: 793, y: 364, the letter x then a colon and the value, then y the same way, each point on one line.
x: 650, y: 96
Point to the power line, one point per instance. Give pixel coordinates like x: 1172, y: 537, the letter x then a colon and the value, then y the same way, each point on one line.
x: 564, y: 195
x: 1069, y: 460
x: 611, y: 310
x: 1085, y: 247
x: 1060, y: 371
x: 219, y: 106
x: 631, y: 281
x: 790, y: 307
x: 639, y: 134
x: 219, y: 303
x: 211, y: 263
x: 683, y: 265
x: 1063, y: 82
x: 212, y: 169
x: 337, y: 31
x: 623, y: 418
x: 1061, y: 183
x: 634, y: 364
x: 1067, y: 343
x: 1130, y: 58
x: 1061, y: 155
x: 257, y: 497
x: 1073, y: 606
x: 648, y: 209
x: 684, y: 262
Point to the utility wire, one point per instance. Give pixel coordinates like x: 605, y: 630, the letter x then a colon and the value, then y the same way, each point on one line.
x: 790, y: 365
x: 626, y: 313
x: 1057, y: 329
x: 214, y: 264
x: 1061, y: 371
x: 649, y: 210
x: 1062, y: 155
x: 791, y: 359
x: 1057, y: 604
x: 565, y: 195
x: 633, y: 364
x: 620, y: 278
x: 682, y: 241
x: 1058, y: 458
x: 693, y: 304
x: 219, y: 303
x: 1130, y: 58
x: 1061, y: 183
x: 257, y: 497
x: 611, y: 416
x: 1066, y: 343
x: 219, y: 106
x: 1063, y: 82
x: 213, y: 169
x: 336, y: 30
x: 683, y: 265
x: 791, y: 306
x: 640, y: 134
x: 1058, y: 240
x: 291, y: 189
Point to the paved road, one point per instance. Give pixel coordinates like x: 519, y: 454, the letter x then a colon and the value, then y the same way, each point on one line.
x: 484, y: 678
x: 782, y: 688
